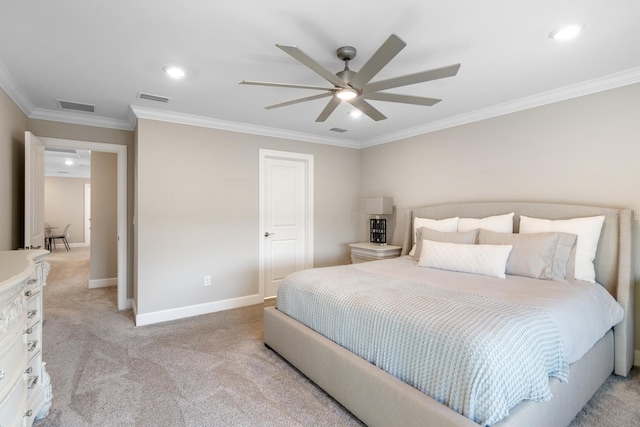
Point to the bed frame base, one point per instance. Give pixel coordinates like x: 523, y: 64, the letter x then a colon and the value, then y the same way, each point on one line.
x: 379, y: 399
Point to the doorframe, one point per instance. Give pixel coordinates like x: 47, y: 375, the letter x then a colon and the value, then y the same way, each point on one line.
x: 265, y: 154
x: 122, y: 244
x: 87, y: 214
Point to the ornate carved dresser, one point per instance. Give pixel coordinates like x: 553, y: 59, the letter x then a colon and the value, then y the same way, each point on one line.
x: 25, y: 389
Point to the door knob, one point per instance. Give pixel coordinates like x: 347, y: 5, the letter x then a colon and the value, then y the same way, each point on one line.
x: 267, y: 234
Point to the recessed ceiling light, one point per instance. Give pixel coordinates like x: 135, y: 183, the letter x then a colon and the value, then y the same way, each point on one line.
x: 174, y: 72
x: 354, y: 114
x: 68, y: 162
x: 567, y: 32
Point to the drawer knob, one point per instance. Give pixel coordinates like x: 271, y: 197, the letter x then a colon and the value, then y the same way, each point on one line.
x: 31, y: 281
x: 32, y: 382
x: 32, y: 345
x: 28, y: 370
x: 28, y: 331
x: 32, y: 313
x: 28, y: 413
x: 27, y: 293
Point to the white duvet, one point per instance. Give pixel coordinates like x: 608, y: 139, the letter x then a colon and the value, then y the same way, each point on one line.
x: 583, y: 311
x: 477, y: 344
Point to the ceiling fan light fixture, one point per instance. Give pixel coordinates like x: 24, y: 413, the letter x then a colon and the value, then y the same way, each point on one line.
x: 174, y: 72
x: 566, y: 32
x: 354, y: 114
x: 346, y: 94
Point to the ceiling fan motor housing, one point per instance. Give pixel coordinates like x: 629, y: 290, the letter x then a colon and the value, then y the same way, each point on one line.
x: 346, y: 54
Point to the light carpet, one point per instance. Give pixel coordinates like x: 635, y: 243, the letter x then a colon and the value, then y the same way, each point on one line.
x: 210, y: 370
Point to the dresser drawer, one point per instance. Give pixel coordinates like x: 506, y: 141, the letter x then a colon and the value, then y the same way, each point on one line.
x: 32, y: 285
x: 33, y: 338
x: 34, y: 306
x: 13, y: 362
x: 33, y: 373
x: 12, y: 412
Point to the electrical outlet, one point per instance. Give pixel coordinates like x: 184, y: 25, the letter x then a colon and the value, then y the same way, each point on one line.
x: 207, y: 280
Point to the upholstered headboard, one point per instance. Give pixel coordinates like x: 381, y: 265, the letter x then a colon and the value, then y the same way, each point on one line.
x: 612, y: 262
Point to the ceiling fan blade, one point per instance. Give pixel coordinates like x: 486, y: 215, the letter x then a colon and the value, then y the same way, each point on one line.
x: 297, y: 101
x: 294, y: 86
x: 311, y: 63
x: 405, y: 99
x: 410, y: 79
x: 378, y: 60
x: 367, y: 108
x: 330, y: 108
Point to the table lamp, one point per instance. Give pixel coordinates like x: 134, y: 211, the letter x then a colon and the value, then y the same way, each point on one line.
x: 378, y: 226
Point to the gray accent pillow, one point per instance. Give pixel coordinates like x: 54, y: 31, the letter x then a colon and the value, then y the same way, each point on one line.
x: 539, y: 255
x: 426, y: 233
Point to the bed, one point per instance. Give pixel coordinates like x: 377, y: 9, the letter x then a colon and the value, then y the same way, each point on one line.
x: 380, y: 399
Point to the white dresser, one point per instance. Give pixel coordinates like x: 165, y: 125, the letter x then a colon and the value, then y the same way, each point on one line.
x: 25, y: 388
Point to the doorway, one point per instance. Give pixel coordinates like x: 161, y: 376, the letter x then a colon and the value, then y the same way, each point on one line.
x: 121, y: 177
x: 286, y: 217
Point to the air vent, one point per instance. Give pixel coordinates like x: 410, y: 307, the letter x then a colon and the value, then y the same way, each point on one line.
x: 150, y: 97
x: 76, y: 106
x: 339, y: 130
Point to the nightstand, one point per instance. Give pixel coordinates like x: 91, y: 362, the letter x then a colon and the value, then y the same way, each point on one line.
x: 363, y: 252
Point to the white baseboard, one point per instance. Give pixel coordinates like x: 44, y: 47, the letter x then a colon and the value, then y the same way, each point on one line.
x: 103, y: 283
x: 195, y: 310
x: 77, y: 245
x: 636, y: 358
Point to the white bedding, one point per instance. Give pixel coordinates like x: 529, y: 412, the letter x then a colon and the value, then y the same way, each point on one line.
x: 478, y: 344
x: 583, y: 311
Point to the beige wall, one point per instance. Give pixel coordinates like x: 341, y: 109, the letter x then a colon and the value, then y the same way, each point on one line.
x: 197, y: 211
x: 583, y: 151
x: 64, y: 204
x: 13, y: 123
x: 104, y: 223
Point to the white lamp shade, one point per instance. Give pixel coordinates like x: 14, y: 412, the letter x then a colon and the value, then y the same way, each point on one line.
x: 378, y: 205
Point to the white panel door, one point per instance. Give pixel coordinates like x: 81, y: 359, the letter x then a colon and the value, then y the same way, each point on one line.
x: 33, y: 191
x: 286, y: 217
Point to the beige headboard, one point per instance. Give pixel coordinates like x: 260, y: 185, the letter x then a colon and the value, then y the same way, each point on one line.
x: 613, y: 258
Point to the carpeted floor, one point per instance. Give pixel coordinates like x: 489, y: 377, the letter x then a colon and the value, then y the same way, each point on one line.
x: 210, y: 370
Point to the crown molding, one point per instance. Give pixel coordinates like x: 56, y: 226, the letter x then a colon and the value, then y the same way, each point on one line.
x: 588, y: 87
x: 80, y: 119
x: 14, y: 91
x: 189, y: 119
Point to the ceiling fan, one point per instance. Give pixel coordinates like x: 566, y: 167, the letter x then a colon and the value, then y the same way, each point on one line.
x: 355, y: 87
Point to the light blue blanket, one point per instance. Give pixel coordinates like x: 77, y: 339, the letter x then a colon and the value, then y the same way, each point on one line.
x: 479, y: 356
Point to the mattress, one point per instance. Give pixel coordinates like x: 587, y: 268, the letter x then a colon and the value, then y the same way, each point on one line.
x: 426, y: 327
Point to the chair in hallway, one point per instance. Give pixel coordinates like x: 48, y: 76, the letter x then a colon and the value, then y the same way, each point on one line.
x: 63, y: 237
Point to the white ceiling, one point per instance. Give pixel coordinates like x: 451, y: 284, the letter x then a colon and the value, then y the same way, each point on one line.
x: 105, y: 53
x: 67, y: 163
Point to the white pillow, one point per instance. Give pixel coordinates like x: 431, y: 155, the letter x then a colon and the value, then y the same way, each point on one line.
x: 588, y: 231
x: 488, y: 260
x: 448, y: 225
x: 497, y: 223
